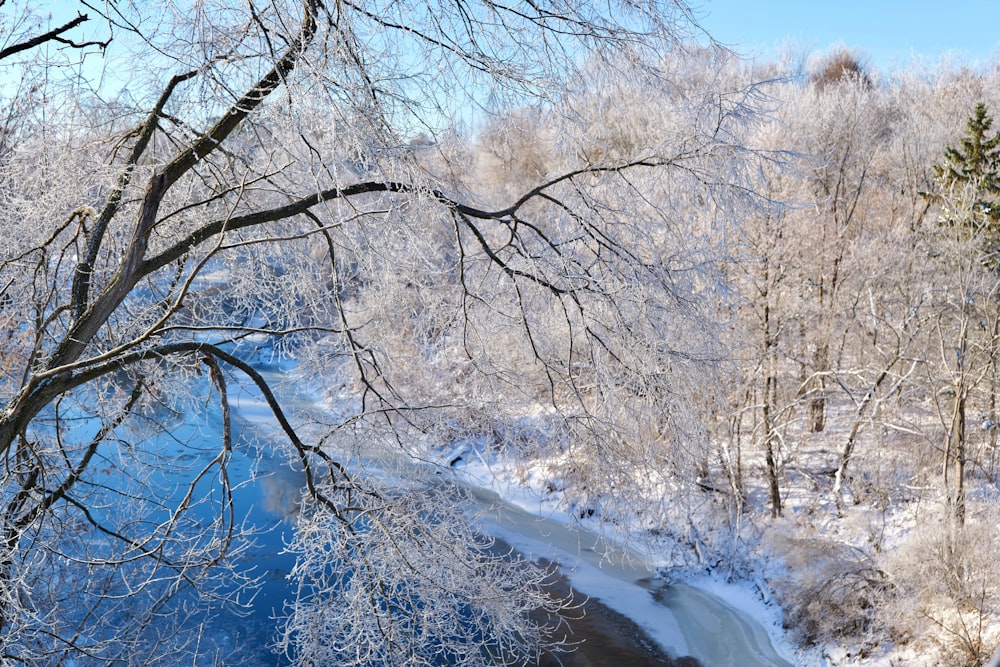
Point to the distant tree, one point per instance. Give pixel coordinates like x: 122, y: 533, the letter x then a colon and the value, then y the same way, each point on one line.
x: 968, y: 242
x: 840, y: 66
x: 844, y: 137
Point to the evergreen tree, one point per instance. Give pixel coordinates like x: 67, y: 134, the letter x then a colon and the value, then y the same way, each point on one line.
x: 969, y: 177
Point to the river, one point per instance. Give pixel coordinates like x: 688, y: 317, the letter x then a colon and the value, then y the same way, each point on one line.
x: 682, y: 620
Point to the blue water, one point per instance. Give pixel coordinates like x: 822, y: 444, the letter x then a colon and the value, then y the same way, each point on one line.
x: 266, y: 559
x: 264, y: 493
x: 266, y: 498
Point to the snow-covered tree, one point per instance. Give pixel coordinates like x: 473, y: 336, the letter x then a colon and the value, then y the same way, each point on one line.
x: 237, y: 177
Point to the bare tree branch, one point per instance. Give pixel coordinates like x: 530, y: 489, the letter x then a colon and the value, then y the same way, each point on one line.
x: 54, y: 35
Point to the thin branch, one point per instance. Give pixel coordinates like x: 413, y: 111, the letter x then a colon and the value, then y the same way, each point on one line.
x: 54, y: 35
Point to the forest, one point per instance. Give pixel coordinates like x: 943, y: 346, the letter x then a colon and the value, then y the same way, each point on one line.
x: 742, y: 315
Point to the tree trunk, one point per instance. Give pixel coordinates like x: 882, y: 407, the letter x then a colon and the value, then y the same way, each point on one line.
x: 955, y: 448
x: 768, y: 410
x: 733, y: 455
x: 958, y: 450
x: 991, y: 416
x: 770, y: 444
x: 848, y: 451
x: 817, y: 414
x: 817, y: 406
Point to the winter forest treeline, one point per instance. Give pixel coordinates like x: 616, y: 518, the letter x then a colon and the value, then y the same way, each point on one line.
x: 745, y: 315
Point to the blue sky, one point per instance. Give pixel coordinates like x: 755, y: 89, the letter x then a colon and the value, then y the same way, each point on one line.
x: 887, y: 32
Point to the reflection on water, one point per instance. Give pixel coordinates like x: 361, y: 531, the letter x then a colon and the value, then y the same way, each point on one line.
x: 270, y: 499
x: 265, y: 494
x: 281, y: 492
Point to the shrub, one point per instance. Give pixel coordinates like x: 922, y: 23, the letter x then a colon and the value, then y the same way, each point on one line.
x: 831, y: 591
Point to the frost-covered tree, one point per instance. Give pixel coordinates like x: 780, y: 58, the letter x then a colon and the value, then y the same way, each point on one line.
x: 908, y: 420
x: 254, y: 189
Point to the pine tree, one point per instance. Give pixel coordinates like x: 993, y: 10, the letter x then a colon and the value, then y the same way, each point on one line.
x: 969, y: 176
